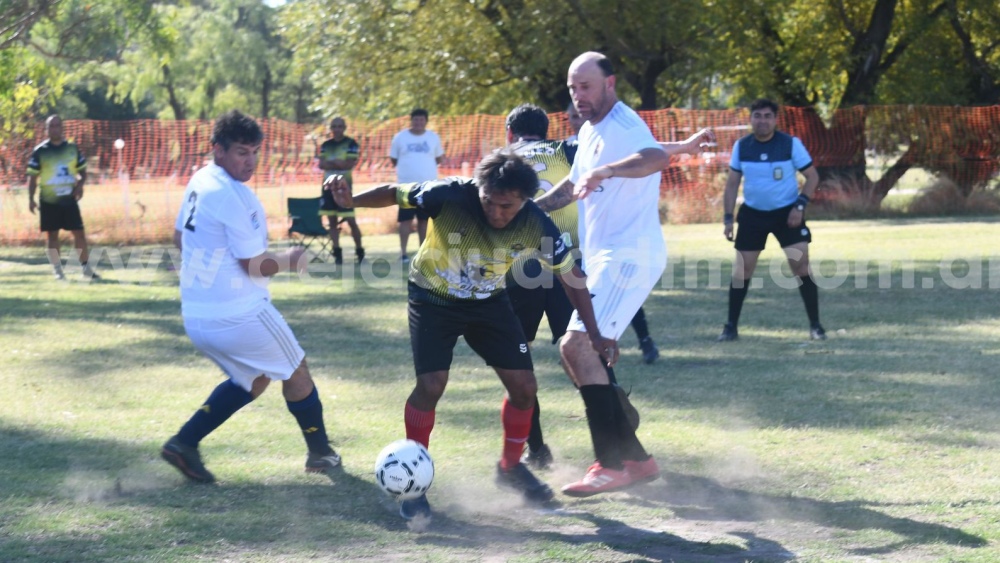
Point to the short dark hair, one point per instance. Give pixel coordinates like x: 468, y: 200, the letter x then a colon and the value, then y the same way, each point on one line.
x: 607, y: 69
x: 505, y: 171
x: 528, y: 120
x: 761, y: 103
x: 236, y: 127
x: 419, y: 112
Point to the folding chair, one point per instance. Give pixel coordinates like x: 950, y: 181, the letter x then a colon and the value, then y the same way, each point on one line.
x: 307, y: 227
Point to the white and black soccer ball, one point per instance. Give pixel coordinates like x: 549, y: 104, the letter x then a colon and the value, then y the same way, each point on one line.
x: 404, y: 469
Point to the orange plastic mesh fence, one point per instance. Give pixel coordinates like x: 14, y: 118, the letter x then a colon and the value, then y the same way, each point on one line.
x: 133, y: 193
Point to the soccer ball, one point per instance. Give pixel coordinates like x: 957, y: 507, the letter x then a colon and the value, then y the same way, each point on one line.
x: 404, y: 469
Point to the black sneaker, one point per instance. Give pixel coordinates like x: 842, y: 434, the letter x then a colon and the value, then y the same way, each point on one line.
x: 359, y: 253
x: 816, y: 332
x: 538, y: 459
x: 649, y: 351
x: 187, y: 460
x: 338, y: 256
x: 319, y: 463
x: 410, y: 509
x: 630, y: 411
x: 729, y: 333
x: 520, y: 478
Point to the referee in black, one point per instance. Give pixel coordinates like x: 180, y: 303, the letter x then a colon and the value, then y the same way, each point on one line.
x: 767, y: 161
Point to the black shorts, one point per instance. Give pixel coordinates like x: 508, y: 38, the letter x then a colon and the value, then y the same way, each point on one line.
x: 755, y: 225
x: 489, y: 327
x: 64, y: 215
x: 549, y: 298
x: 404, y: 215
x: 328, y: 206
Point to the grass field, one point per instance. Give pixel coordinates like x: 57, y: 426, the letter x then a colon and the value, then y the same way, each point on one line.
x: 879, y: 444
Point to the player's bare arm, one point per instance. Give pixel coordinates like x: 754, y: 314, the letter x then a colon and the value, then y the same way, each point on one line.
x: 691, y: 145
x: 637, y: 165
x: 268, y: 264
x: 78, y: 187
x: 796, y: 215
x: 575, y: 285
x: 338, y: 163
x: 381, y: 196
x: 32, y: 187
x: 729, y: 201
x: 558, y: 197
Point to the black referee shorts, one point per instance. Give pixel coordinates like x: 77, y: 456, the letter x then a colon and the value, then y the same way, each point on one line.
x: 64, y: 215
x: 755, y: 225
x: 489, y: 327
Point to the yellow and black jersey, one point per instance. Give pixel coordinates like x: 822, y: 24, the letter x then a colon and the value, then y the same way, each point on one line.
x: 462, y: 258
x: 552, y: 161
x: 344, y: 149
x: 57, y: 167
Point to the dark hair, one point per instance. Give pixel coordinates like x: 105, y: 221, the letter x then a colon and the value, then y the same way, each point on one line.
x: 504, y: 171
x: 761, y: 103
x: 607, y: 69
x: 528, y: 120
x: 419, y: 112
x: 236, y: 127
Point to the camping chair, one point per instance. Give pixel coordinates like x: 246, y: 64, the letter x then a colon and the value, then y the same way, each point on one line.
x: 307, y: 227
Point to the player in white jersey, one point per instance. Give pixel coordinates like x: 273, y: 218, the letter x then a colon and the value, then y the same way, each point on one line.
x: 616, y: 175
x: 222, y: 233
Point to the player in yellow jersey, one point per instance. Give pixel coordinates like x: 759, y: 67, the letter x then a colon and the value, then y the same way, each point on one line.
x: 477, y: 229
x: 59, y: 168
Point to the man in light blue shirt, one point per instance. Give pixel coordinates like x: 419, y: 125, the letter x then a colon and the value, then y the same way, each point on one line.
x: 767, y: 161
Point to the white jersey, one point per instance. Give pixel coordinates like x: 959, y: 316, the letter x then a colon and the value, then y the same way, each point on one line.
x: 621, y: 216
x: 416, y: 156
x: 221, y: 222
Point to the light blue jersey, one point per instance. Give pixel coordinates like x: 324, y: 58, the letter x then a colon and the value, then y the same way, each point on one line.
x: 768, y: 169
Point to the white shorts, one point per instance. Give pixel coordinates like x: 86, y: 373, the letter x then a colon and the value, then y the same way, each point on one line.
x: 617, y: 288
x: 249, y: 345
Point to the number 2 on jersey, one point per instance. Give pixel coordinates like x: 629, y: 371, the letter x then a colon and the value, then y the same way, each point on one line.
x: 192, y: 199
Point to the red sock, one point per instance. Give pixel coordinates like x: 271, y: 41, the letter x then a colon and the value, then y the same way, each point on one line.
x: 418, y: 424
x: 516, y: 426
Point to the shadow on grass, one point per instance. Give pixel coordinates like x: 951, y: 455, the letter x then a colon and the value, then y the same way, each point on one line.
x: 697, y: 498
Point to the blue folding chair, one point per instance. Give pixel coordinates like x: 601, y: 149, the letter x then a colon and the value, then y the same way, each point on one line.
x: 307, y: 227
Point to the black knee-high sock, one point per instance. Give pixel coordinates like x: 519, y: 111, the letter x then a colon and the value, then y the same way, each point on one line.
x: 535, y: 440
x: 736, y: 297
x: 600, y: 401
x: 222, y: 403
x: 810, y: 296
x: 309, y: 413
x: 639, y: 325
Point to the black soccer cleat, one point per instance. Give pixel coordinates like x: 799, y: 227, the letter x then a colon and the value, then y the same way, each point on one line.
x: 359, y: 254
x: 187, y: 460
x: 321, y: 463
x: 649, y: 351
x: 729, y: 333
x: 413, y: 508
x: 816, y: 332
x: 538, y: 459
x: 519, y: 478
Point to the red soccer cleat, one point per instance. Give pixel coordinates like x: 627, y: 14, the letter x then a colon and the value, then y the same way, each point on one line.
x: 598, y: 480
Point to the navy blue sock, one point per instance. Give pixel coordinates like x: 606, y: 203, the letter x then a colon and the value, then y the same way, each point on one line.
x: 810, y: 296
x: 225, y: 400
x: 640, y: 326
x: 309, y: 413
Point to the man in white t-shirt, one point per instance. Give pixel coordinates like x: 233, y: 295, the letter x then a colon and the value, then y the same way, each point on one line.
x: 616, y: 176
x: 416, y: 153
x: 222, y: 233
